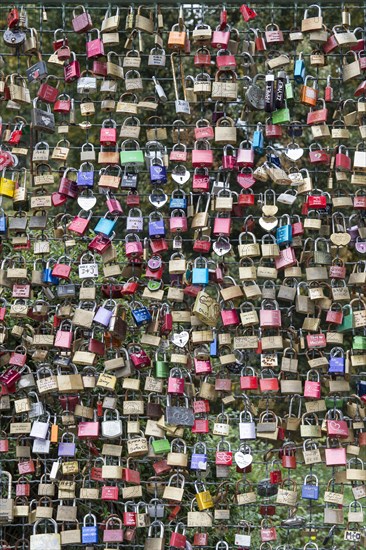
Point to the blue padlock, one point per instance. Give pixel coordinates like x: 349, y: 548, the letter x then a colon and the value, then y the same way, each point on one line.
x: 214, y: 347
x: 200, y: 274
x: 2, y: 222
x: 105, y: 226
x: 258, y: 139
x: 89, y: 533
x: 199, y: 460
x: 336, y: 361
x: 178, y: 201
x: 141, y: 315
x: 156, y: 225
x: 361, y: 387
x: 47, y: 276
x: 310, y: 491
x: 284, y: 232
x: 272, y: 157
x: 85, y: 175
x: 299, y: 70
x: 158, y: 173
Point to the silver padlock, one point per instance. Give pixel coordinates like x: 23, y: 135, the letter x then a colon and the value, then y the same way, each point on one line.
x: 246, y: 427
x: 111, y: 428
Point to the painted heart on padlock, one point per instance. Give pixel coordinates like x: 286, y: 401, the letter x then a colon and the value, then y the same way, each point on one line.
x: 294, y: 152
x: 340, y: 239
x: 180, y: 339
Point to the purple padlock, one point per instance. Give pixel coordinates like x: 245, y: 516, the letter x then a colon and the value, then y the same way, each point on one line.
x: 353, y: 232
x: 156, y: 225
x: 66, y: 448
x: 154, y: 262
x: 199, y: 460
x: 360, y: 246
x: 104, y: 315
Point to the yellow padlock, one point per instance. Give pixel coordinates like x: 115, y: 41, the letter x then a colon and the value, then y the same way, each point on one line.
x: 203, y: 497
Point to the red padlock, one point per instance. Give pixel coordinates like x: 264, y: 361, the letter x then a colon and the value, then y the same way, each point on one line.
x: 62, y: 104
x: 359, y: 201
x: 273, y: 34
x: 158, y: 246
x: 202, y: 244
x: 272, y: 130
x: 64, y: 52
x: 337, y: 428
x: 245, y: 155
x: 245, y: 178
x: 109, y: 492
x: 220, y: 37
x: 13, y: 18
x: 202, y: 58
x: 275, y: 475
x: 259, y: 41
x: 343, y: 160
x: 297, y: 226
x: 79, y: 224
x: 133, y: 199
x: 247, y: 13
x: 289, y: 456
x: 200, y: 426
x: 178, y: 540
x: 335, y: 314
x: 48, y: 93
x: 201, y: 180
x: 318, y: 155
x: 267, y: 533
x: 200, y: 539
x: 269, y: 384
x: 229, y: 160
x: 175, y: 383
x: 270, y: 318
x: 67, y: 185
x: 248, y: 382
x: 201, y: 406
x: 319, y: 115
x: 316, y: 341
x: 330, y: 45
x: 317, y: 201
x: 72, y: 69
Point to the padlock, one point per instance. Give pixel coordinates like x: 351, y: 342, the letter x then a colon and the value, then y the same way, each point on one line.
x: 247, y: 428
x: 310, y: 488
x: 81, y: 23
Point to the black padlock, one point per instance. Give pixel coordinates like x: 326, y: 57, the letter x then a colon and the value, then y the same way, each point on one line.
x: 266, y: 489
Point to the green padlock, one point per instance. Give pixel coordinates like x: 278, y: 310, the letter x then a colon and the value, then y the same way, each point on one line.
x: 281, y: 116
x: 161, y: 446
x: 289, y: 91
x: 359, y: 342
x: 334, y: 402
x: 131, y: 156
x: 347, y: 323
x: 162, y: 368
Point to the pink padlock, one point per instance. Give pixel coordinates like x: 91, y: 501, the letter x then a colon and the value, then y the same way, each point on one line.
x: 286, y: 258
x: 203, y: 129
x: 178, y: 221
x: 176, y: 382
x: 245, y: 155
x: 312, y: 388
x: 133, y: 245
x: 270, y: 314
x: 202, y: 157
x: 95, y: 48
x: 222, y: 226
x: 113, y: 205
x: 230, y: 317
x: 229, y: 160
x: 201, y: 360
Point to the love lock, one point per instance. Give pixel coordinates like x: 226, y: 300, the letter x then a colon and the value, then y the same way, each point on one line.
x: 87, y: 200
x: 222, y: 246
x: 294, y: 152
x: 158, y: 198
x: 180, y: 174
x: 180, y: 339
